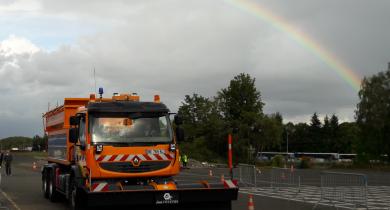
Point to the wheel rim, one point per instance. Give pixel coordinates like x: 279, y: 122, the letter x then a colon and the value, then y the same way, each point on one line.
x: 51, y: 188
x: 44, y: 186
x: 74, y: 198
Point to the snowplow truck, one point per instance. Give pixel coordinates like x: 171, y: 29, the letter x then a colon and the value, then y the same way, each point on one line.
x: 121, y: 151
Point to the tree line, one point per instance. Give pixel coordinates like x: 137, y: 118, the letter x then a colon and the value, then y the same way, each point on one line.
x: 238, y: 109
x: 37, y: 143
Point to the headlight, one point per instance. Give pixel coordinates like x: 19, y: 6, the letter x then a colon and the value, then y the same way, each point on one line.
x: 99, y: 148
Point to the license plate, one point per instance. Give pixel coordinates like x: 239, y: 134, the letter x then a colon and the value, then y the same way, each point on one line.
x: 167, y: 198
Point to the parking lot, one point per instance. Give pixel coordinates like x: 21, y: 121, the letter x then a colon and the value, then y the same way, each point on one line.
x: 271, y: 189
x: 301, y: 189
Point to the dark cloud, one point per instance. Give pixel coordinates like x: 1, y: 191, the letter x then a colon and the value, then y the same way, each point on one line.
x: 176, y: 47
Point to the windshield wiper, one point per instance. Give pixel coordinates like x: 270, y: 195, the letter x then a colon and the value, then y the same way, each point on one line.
x: 113, y: 143
x: 123, y: 144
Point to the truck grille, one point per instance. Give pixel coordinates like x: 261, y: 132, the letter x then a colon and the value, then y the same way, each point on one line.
x: 127, y: 167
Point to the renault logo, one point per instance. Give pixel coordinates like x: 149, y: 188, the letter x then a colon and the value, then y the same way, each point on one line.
x: 167, y: 196
x: 136, y: 161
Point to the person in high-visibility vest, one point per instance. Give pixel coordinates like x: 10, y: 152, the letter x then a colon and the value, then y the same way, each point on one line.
x: 185, y: 160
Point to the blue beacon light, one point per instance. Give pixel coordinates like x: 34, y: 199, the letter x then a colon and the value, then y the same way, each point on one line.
x: 101, y: 92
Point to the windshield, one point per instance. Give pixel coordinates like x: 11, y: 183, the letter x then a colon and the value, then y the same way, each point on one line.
x: 133, y: 128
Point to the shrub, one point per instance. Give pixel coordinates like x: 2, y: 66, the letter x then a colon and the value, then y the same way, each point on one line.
x: 198, y: 150
x: 278, y: 161
x: 305, y: 162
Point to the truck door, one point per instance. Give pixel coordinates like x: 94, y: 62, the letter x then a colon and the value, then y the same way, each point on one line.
x: 80, y: 150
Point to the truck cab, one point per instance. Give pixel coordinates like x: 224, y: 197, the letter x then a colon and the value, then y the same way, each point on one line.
x: 124, y: 139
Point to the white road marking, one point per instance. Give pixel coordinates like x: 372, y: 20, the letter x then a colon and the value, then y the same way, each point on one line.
x: 10, y: 200
x: 377, y: 196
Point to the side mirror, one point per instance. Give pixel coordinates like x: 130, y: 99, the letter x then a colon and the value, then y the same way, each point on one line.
x: 178, y: 120
x: 74, y: 120
x: 179, y: 134
x: 82, y: 146
x: 73, y: 135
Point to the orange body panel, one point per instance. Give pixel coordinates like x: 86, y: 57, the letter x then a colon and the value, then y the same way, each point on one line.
x: 57, y: 126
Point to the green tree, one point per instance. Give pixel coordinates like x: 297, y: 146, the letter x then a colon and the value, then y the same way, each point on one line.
x: 241, y: 107
x: 315, y: 134
x: 271, y: 132
x: 208, y: 121
x: 348, y: 137
x: 334, y: 144
x: 241, y: 100
x: 19, y: 142
x: 195, y: 111
x: 204, y: 127
x: 373, y: 116
x: 326, y: 136
x: 288, y: 132
x: 299, y: 138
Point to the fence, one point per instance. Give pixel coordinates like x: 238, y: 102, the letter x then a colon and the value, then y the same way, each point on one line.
x: 344, y: 188
x: 246, y: 174
x: 282, y: 178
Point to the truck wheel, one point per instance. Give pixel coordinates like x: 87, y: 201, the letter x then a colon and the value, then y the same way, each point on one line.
x: 219, y: 206
x: 45, y: 186
x: 227, y: 205
x: 76, y: 201
x: 53, y: 194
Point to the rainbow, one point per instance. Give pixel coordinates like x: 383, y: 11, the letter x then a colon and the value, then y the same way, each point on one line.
x: 259, y: 11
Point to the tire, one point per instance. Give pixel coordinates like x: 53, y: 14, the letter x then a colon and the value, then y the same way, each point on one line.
x: 219, y: 206
x: 45, y: 186
x: 227, y: 205
x: 52, y: 191
x: 76, y: 198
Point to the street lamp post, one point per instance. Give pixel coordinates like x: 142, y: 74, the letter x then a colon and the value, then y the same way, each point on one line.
x: 287, y: 140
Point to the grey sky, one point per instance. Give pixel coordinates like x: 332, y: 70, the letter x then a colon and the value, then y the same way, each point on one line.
x: 176, y: 47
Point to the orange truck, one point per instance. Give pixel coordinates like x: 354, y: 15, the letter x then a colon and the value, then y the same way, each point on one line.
x: 121, y: 151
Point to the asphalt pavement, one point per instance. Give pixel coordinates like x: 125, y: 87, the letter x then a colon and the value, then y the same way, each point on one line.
x: 22, y: 190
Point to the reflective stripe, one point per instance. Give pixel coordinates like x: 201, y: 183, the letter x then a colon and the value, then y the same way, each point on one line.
x: 141, y: 157
x: 112, y: 158
x: 230, y: 184
x: 100, y: 187
x: 118, y: 158
x: 107, y: 158
x: 163, y: 157
x: 126, y: 157
x: 129, y: 157
x: 152, y: 157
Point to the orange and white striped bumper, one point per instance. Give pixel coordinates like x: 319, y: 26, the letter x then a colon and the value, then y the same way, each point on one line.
x: 130, y: 157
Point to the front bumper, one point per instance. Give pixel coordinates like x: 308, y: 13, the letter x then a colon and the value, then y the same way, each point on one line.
x: 151, y: 197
